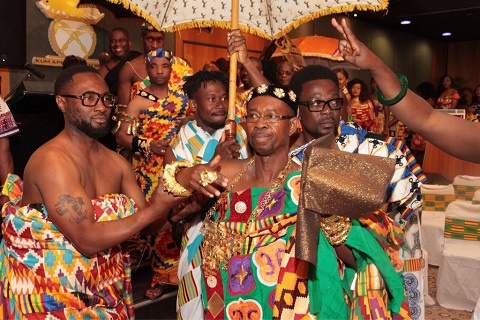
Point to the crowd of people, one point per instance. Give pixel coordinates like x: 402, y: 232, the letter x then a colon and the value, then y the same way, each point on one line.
x: 225, y: 219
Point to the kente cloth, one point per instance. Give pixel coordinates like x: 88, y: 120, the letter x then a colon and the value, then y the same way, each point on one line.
x: 446, y: 101
x: 157, y: 122
x: 241, y: 105
x: 8, y: 126
x: 43, y: 276
x: 112, y: 76
x: 362, y: 113
x: 400, y: 241
x: 245, y: 288
x: 268, y: 282
x: 194, y: 144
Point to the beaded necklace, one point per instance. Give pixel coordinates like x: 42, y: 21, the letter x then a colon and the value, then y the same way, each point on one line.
x: 221, y: 243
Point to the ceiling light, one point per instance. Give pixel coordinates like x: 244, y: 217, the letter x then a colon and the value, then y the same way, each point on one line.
x: 405, y: 22
x: 446, y: 34
x: 355, y: 15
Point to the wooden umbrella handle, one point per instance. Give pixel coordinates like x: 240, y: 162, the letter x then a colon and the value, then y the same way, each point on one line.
x: 230, y: 124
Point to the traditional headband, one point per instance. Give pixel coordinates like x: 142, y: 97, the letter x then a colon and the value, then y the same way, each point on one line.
x: 146, y: 27
x: 159, y: 53
x: 276, y: 91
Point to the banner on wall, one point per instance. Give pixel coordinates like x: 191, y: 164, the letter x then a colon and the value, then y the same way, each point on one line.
x: 70, y: 32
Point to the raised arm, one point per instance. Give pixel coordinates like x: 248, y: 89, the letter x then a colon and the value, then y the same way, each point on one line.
x: 237, y: 43
x: 454, y: 135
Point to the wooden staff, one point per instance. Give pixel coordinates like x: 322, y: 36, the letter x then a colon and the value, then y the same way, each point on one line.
x: 230, y: 124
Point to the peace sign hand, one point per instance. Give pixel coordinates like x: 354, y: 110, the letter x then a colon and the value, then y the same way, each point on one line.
x: 351, y: 49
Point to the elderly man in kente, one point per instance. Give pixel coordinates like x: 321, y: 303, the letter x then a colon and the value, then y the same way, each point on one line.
x: 61, y: 255
x: 320, y: 107
x: 199, y: 141
x: 146, y: 128
x: 249, y: 266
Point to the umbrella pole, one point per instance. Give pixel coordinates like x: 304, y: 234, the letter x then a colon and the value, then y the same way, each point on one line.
x: 230, y: 124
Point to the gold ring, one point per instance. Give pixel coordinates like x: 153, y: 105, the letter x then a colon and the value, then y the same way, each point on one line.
x: 207, y: 177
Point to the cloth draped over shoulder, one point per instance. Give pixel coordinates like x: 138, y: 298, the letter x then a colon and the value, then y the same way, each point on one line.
x: 194, y: 144
x: 386, y: 225
x: 43, y: 276
x: 159, y: 122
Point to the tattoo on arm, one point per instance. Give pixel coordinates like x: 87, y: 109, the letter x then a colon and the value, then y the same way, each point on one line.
x: 72, y: 206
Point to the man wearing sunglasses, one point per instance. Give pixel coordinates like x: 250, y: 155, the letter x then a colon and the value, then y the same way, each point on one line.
x: 62, y: 242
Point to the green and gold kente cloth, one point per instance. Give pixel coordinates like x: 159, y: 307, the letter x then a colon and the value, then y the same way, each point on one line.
x: 43, y: 276
x: 462, y: 229
x: 268, y: 282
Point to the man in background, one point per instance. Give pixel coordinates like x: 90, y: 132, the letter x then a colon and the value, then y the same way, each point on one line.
x: 199, y: 141
x: 119, y: 43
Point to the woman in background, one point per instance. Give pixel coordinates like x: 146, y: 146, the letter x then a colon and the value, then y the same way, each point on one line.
x: 447, y: 96
x: 360, y: 104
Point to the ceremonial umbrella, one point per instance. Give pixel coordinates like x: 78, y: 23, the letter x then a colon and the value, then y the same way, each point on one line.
x: 266, y: 18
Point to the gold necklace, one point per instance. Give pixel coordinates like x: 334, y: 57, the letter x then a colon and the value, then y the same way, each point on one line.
x: 220, y: 243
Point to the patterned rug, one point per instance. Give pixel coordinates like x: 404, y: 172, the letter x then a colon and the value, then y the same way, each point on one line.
x: 437, y: 312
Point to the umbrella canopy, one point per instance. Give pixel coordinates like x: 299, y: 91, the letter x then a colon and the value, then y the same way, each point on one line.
x: 266, y: 18
x: 313, y: 49
x: 118, y: 11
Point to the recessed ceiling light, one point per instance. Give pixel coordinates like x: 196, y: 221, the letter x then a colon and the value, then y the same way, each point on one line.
x: 405, y: 22
x: 446, y: 34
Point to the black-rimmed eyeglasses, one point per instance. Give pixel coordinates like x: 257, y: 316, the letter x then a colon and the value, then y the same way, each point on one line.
x: 267, y: 118
x: 90, y: 99
x: 317, y: 105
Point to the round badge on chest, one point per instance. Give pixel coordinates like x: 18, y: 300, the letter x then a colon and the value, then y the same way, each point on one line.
x: 240, y: 207
x: 212, y: 281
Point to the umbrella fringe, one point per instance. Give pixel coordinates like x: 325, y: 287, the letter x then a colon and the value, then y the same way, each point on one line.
x: 330, y: 11
x: 227, y: 25
x: 137, y: 11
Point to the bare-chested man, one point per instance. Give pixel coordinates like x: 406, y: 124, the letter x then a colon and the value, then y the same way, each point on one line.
x: 62, y: 240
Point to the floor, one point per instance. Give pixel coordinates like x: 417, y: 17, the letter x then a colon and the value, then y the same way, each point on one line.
x: 164, y: 307
x: 436, y: 312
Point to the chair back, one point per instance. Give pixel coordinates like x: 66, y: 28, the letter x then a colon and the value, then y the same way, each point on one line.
x: 465, y: 187
x: 462, y: 221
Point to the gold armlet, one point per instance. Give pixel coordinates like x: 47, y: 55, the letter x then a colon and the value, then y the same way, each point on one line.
x: 170, y: 183
x: 141, y: 145
x: 133, y: 123
x: 335, y: 229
